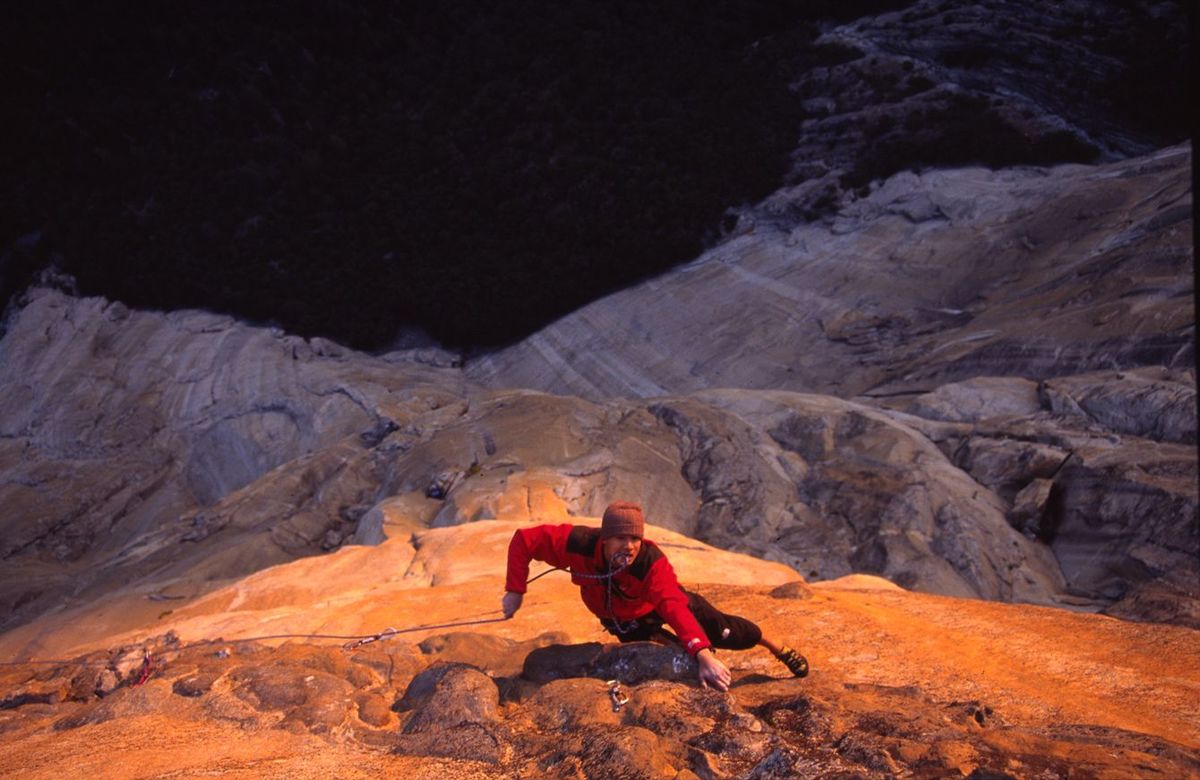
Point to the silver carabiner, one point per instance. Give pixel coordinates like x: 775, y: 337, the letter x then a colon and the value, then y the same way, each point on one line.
x: 619, y: 697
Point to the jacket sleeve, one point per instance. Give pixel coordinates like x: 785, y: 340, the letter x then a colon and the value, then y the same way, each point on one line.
x: 546, y: 543
x: 669, y: 600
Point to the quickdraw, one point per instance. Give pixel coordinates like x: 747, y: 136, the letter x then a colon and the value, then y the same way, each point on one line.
x: 619, y: 697
x: 386, y: 633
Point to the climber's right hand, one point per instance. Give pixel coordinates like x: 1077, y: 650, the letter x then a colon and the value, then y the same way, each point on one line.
x: 511, y: 603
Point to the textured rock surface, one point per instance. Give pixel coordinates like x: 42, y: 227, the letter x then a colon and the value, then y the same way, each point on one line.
x: 1013, y: 490
x: 1022, y: 273
x: 940, y: 83
x: 806, y: 480
x: 1119, y: 511
x: 123, y: 433
x: 1152, y: 403
x: 774, y: 471
x: 974, y: 383
x: 902, y: 683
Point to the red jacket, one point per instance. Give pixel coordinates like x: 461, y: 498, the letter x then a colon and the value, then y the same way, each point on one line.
x: 646, y: 585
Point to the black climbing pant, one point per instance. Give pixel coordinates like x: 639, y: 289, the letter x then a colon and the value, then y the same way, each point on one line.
x: 742, y: 634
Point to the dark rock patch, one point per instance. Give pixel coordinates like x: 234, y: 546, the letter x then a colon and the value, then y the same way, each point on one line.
x: 496, y: 655
x: 307, y: 699
x: 628, y: 663
x: 640, y: 661
x: 447, y: 696
x: 1160, y: 602
x: 194, y: 685
x: 558, y: 662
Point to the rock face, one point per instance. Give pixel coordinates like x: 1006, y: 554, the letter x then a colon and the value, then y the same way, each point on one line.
x: 122, y: 431
x: 938, y: 84
x: 928, y: 279
x: 977, y: 384
x: 1104, y: 472
x: 1078, y: 487
x: 1007, y: 410
x: 826, y: 486
x: 1052, y: 274
x: 901, y: 683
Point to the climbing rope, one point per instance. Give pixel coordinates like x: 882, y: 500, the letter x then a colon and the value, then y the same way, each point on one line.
x: 606, y: 576
x: 150, y: 662
x: 621, y: 628
x: 351, y: 642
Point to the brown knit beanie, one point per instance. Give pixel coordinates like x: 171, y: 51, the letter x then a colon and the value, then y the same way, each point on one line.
x: 623, y: 518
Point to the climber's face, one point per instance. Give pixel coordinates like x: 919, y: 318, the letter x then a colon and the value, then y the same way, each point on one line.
x: 621, y: 550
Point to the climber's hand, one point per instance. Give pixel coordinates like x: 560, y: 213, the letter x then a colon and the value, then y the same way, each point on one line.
x: 511, y: 603
x: 712, y: 671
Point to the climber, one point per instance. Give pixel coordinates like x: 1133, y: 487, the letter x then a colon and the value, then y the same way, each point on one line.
x: 628, y: 583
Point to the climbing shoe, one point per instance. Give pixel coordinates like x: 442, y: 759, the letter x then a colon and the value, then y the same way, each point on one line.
x: 796, y: 663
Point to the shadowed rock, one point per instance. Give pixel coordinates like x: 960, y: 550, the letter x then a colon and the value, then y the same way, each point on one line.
x: 627, y: 663
x: 455, y: 712
x: 558, y: 662
x: 1160, y: 602
x: 447, y: 696
x: 1153, y: 403
x: 491, y: 654
x: 639, y: 661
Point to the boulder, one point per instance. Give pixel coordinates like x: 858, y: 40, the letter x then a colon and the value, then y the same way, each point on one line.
x: 455, y: 712
x: 558, y: 662
x: 1150, y: 402
x: 978, y: 399
x: 448, y: 696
